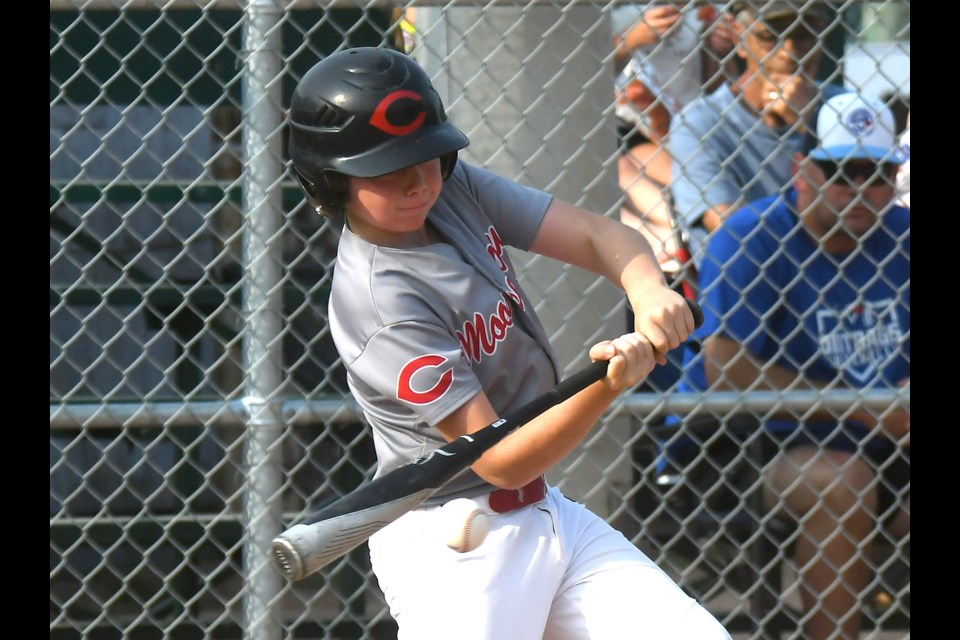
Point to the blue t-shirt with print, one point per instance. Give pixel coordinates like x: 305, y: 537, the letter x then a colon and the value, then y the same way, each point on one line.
x: 767, y: 285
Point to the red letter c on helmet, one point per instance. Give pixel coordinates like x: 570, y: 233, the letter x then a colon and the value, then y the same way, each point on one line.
x: 380, y: 121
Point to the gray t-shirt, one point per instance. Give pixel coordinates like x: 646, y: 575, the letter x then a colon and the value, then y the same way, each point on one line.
x: 723, y: 153
x: 423, y: 330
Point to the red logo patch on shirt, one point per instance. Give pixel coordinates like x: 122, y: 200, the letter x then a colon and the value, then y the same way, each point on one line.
x: 405, y: 390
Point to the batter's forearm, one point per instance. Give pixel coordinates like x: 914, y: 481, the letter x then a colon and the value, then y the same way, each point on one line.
x: 541, y: 444
x: 640, y: 272
x: 623, y: 256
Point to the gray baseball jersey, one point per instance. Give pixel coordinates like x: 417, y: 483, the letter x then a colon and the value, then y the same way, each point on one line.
x: 423, y: 330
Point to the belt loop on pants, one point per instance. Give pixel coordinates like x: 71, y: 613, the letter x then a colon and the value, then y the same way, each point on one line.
x: 504, y: 500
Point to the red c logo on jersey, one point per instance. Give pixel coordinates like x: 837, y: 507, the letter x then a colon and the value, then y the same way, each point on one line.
x: 380, y: 121
x: 407, y: 393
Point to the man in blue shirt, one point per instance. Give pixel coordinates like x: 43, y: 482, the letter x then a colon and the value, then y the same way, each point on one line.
x: 809, y: 289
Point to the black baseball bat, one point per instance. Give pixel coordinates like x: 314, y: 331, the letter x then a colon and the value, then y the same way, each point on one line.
x: 348, y: 521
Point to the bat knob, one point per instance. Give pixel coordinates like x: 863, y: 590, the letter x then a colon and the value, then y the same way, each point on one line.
x: 286, y: 558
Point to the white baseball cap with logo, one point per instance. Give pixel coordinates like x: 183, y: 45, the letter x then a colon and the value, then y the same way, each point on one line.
x: 855, y: 126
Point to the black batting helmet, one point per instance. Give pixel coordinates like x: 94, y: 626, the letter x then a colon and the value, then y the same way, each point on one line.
x: 365, y: 112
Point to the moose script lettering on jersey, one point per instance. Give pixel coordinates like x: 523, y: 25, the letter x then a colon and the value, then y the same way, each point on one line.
x: 480, y: 335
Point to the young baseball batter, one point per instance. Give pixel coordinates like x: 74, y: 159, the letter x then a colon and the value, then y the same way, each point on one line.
x: 439, y: 339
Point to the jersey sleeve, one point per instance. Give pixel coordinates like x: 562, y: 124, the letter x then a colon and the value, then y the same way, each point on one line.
x: 515, y: 210
x: 417, y: 367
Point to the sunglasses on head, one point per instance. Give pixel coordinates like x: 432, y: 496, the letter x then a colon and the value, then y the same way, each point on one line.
x: 872, y: 174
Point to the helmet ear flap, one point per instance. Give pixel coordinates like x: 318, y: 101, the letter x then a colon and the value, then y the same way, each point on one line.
x: 337, y: 184
x: 447, y: 163
x: 327, y: 195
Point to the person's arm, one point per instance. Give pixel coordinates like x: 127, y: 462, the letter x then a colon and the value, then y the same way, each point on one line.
x: 544, y: 441
x: 613, y: 250
x: 729, y: 366
x: 714, y: 216
x: 655, y: 23
x: 786, y: 100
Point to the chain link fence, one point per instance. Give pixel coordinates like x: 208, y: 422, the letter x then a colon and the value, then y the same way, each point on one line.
x: 197, y: 403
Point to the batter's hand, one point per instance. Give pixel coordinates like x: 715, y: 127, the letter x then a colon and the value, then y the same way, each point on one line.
x: 663, y: 317
x: 630, y: 359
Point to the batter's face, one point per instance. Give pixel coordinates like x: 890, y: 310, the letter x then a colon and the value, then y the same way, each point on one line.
x: 391, y: 209
x: 841, y: 202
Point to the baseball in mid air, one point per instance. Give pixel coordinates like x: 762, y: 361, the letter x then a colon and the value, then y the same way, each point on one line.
x: 465, y: 525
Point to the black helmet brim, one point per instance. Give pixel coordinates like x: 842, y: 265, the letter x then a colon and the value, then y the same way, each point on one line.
x: 403, y: 152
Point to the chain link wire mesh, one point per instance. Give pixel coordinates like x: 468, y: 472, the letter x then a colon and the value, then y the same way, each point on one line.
x: 197, y: 403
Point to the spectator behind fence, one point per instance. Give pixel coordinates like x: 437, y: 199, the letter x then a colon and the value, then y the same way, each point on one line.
x: 810, y: 289
x: 737, y: 143
x: 439, y: 340
x: 667, y: 56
